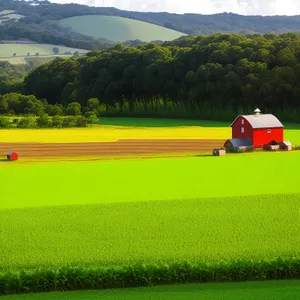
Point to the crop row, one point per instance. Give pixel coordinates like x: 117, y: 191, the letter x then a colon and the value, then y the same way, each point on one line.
x: 69, y: 278
x: 217, y: 229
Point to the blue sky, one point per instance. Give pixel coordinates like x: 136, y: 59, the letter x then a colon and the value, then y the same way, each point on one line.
x: 244, y: 7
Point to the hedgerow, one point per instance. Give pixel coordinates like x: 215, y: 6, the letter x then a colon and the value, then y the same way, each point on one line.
x: 67, y: 278
x: 44, y: 121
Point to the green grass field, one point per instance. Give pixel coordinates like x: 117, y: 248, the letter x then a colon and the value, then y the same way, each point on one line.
x: 6, y: 15
x: 148, y: 180
x: 199, y: 230
x: 119, y: 29
x: 269, y: 290
x: 197, y: 219
x: 10, y: 17
x: 6, y: 12
x: 21, y: 60
x: 21, y: 50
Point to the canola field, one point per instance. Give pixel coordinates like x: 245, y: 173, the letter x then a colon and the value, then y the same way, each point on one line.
x: 113, y: 129
x: 110, y: 134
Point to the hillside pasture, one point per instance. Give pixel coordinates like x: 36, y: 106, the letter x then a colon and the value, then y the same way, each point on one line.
x: 22, y: 59
x: 10, y: 17
x: 119, y: 29
x: 21, y: 50
x: 6, y: 15
x: 15, y: 60
x: 6, y: 12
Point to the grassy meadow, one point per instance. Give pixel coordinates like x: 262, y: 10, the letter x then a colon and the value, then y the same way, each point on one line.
x: 21, y: 60
x: 147, y: 180
x: 6, y: 12
x: 21, y: 50
x: 6, y: 15
x: 269, y: 290
x: 119, y: 29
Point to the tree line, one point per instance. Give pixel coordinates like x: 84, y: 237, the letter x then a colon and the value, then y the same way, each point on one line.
x: 38, y: 113
x: 211, y: 77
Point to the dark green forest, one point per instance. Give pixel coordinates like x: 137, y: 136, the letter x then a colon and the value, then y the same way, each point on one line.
x: 208, y: 77
x: 40, y: 23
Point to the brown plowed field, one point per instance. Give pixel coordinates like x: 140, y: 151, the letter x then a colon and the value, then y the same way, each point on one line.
x: 121, y: 147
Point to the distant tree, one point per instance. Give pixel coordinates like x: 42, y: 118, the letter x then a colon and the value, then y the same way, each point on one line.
x: 55, y: 50
x: 44, y: 121
x: 14, y: 54
x: 4, y: 122
x: 54, y: 110
x: 73, y: 109
x: 27, y: 122
x: 57, y: 121
x: 91, y: 117
x: 69, y: 121
x: 81, y: 121
x: 37, y: 54
x: 93, y: 104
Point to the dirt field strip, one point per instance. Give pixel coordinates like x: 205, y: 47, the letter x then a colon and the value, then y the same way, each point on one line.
x: 121, y: 147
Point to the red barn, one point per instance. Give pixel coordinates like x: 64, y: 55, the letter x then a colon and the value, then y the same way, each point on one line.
x: 258, y: 129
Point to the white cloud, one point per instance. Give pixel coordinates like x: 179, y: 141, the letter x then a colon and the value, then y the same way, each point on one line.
x: 244, y: 7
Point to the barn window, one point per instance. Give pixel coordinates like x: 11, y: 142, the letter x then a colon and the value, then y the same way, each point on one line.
x: 269, y: 130
x: 242, y: 121
x: 242, y: 129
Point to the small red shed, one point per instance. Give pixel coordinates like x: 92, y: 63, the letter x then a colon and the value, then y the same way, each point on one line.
x: 260, y: 129
x: 12, y: 156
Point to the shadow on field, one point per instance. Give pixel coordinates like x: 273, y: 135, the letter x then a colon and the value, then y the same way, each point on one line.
x: 291, y: 126
x: 5, y: 160
x: 152, y: 122
x: 173, y: 122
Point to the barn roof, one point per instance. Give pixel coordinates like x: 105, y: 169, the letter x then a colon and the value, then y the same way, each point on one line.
x: 261, y: 121
x: 236, y: 143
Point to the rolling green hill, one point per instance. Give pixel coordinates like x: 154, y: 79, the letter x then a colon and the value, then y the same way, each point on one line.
x: 6, y: 12
x: 119, y: 29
